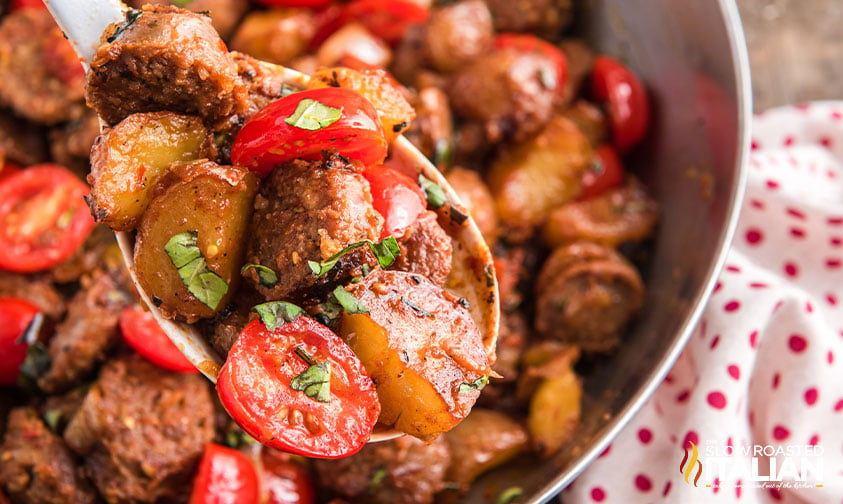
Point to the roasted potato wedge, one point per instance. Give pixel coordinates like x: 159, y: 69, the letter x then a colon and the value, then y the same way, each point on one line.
x: 555, y: 412
x: 275, y: 35
x: 484, y: 440
x: 421, y: 348
x: 534, y: 177
x: 214, y: 204
x: 128, y: 160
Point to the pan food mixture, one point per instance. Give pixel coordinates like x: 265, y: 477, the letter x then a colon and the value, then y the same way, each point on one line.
x: 268, y: 213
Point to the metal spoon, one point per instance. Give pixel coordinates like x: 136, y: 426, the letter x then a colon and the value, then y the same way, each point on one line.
x: 473, y: 272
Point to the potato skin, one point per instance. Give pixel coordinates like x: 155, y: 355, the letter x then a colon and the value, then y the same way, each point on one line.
x: 418, y: 356
x: 128, y: 160
x: 213, y: 200
x: 534, y: 177
x: 275, y: 35
x: 555, y: 412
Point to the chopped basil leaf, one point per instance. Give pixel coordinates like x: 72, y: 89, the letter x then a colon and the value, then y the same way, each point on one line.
x: 477, y: 384
x: 157, y: 301
x: 315, y: 381
x: 277, y: 313
x: 52, y: 418
x: 509, y: 495
x: 377, y: 477
x: 181, y: 3
x: 350, y: 304
x: 420, y: 312
x: 386, y: 251
x: 208, y: 287
x: 35, y: 364
x: 287, y: 90
x: 235, y: 437
x: 132, y: 15
x: 435, y: 195
x: 328, y: 312
x: 266, y: 276
x: 312, y: 115
x: 442, y: 152
x: 457, y: 215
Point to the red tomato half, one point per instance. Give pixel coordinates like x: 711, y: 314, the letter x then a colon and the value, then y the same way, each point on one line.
x: 43, y: 218
x: 255, y: 387
x: 7, y: 169
x: 285, y: 481
x: 626, y: 101
x: 531, y: 43
x: 267, y: 140
x: 387, y: 19
x: 606, y: 172
x: 142, y: 333
x: 225, y: 476
x: 397, y: 197
x: 27, y: 4
x: 294, y: 3
x: 15, y: 316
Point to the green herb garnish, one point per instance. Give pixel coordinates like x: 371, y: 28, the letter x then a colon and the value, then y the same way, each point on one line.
x: 52, y: 418
x: 266, y: 276
x: 312, y: 115
x: 35, y: 364
x: 435, y: 195
x: 350, y: 304
x: 315, y: 381
x: 420, y: 312
x: 509, y: 495
x: 377, y: 477
x: 208, y: 287
x: 477, y: 384
x: 132, y: 15
x: 386, y: 251
x: 275, y: 314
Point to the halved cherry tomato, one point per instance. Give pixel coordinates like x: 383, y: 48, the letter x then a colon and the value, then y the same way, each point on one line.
x: 531, y: 43
x: 255, y: 388
x: 15, y: 316
x: 397, y: 197
x: 145, y: 336
x: 626, y: 101
x: 43, y: 218
x: 7, y: 169
x: 285, y: 481
x: 294, y: 3
x: 387, y: 19
x: 267, y: 139
x: 225, y: 476
x: 26, y: 4
x: 605, y: 172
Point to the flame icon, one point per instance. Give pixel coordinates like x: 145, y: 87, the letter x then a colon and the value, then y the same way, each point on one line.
x: 687, y: 470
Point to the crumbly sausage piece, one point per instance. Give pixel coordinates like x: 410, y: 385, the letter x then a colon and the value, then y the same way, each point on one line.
x: 403, y: 471
x: 427, y: 250
x: 309, y: 211
x: 458, y: 33
x: 21, y: 141
x: 40, y: 75
x: 70, y: 143
x: 82, y: 339
x: 142, y: 430
x: 547, y: 17
x: 224, y: 13
x: 35, y: 289
x: 165, y: 58
x: 36, y: 466
x: 99, y: 250
x: 585, y: 295
x: 511, y: 92
x: 432, y: 131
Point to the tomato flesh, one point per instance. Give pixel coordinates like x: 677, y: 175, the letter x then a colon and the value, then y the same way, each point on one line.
x: 225, y: 476
x: 285, y: 481
x: 15, y: 316
x: 43, y: 218
x: 254, y: 386
x: 388, y: 19
x: 626, y: 100
x: 397, y: 197
x: 606, y: 172
x: 266, y: 140
x: 145, y: 336
x: 294, y: 3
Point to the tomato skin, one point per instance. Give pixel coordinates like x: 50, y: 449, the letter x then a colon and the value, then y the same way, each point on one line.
x: 285, y: 481
x: 531, y: 43
x: 387, y: 19
x: 608, y: 173
x: 254, y: 387
x: 7, y: 169
x: 15, y: 316
x: 43, y: 218
x: 266, y: 140
x: 397, y: 197
x: 225, y: 476
x: 294, y: 3
x: 145, y: 336
x: 626, y: 100
x: 26, y: 4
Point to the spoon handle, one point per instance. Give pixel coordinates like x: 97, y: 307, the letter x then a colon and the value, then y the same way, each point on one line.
x: 83, y: 21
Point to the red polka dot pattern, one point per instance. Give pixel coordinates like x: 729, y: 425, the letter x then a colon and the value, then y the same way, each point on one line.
x: 763, y: 366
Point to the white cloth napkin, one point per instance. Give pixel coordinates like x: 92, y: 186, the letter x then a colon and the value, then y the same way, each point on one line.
x: 763, y: 372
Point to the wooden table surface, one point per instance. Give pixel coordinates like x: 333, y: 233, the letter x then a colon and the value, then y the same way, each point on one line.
x: 795, y: 50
